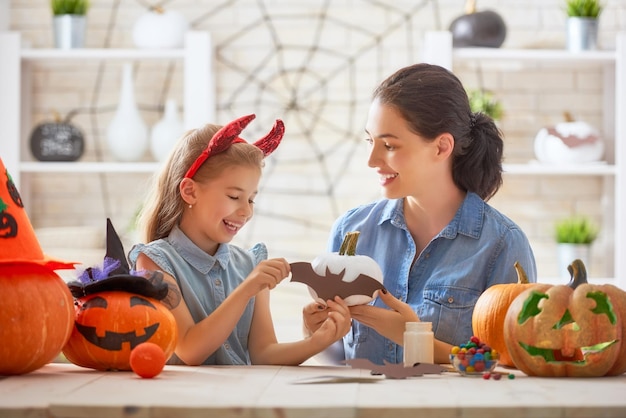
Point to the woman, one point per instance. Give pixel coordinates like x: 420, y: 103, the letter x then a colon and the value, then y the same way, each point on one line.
x: 438, y: 242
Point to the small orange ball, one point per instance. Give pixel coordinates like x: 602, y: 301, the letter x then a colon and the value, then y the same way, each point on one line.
x: 147, y: 360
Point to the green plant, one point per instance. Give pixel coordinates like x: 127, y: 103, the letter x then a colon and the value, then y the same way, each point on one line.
x: 583, y: 8
x: 69, y: 7
x: 575, y: 230
x: 484, y: 101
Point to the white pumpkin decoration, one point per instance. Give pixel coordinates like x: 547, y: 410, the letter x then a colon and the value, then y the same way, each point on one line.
x: 160, y: 28
x: 569, y: 142
x: 351, y: 265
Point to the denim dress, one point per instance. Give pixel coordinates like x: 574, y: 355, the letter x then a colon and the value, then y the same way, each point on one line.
x: 477, y: 249
x: 205, y: 281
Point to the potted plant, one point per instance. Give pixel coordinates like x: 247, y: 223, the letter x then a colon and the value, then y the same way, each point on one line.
x: 69, y: 22
x: 574, y: 236
x: 484, y: 101
x: 582, y: 24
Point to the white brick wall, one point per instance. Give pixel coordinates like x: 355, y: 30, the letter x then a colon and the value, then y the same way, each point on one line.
x: 532, y: 96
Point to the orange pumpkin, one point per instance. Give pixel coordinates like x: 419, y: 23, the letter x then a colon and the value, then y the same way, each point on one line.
x: 109, y: 324
x: 490, y: 310
x: 36, y: 317
x: 568, y: 330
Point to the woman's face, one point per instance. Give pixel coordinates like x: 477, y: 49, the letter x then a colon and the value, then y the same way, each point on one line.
x: 404, y: 160
x: 222, y: 206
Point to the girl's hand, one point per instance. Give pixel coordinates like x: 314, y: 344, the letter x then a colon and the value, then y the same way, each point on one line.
x: 390, y: 323
x: 267, y: 274
x: 335, y: 325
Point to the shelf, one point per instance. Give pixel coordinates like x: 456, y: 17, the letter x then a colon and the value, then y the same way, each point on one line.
x: 534, y: 55
x: 89, y: 167
x: 49, y: 55
x: 536, y: 168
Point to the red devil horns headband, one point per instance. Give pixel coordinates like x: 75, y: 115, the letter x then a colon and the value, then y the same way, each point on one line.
x: 229, y: 134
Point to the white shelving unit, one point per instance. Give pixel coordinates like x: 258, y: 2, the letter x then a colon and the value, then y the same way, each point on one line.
x: 15, y: 103
x: 438, y: 50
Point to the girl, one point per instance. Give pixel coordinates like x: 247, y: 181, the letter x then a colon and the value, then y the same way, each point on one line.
x: 203, y: 197
x: 438, y: 242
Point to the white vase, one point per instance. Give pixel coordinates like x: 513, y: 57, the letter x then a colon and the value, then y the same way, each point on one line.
x: 166, y: 132
x: 127, y: 134
x: 567, y: 253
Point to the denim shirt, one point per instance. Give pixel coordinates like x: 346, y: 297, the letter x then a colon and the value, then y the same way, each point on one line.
x: 477, y: 249
x: 205, y: 281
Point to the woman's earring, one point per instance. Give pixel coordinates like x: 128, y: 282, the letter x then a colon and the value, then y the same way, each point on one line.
x: 190, y: 206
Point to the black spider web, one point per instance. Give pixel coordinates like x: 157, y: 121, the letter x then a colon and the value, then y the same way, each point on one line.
x: 321, y: 87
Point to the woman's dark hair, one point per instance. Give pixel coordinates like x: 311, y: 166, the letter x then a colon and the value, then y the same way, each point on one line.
x: 433, y: 101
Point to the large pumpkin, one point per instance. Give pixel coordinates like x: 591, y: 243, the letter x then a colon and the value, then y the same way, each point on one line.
x: 109, y: 324
x: 490, y: 311
x: 36, y: 317
x: 568, y: 330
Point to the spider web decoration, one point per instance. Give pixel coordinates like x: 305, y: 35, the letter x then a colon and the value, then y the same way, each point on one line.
x: 314, y: 66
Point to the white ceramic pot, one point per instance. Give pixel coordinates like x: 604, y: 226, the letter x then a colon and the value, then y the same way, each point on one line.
x: 127, y: 134
x: 166, y: 132
x: 570, y: 252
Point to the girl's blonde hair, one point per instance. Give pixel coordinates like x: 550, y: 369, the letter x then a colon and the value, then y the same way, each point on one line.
x: 164, y: 206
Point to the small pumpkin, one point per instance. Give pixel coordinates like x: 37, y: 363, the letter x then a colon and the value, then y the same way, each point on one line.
x: 117, y: 309
x: 350, y: 265
x: 568, y: 330
x: 569, y: 142
x: 109, y: 324
x: 159, y: 28
x: 478, y: 29
x: 36, y: 317
x: 57, y: 140
x: 490, y: 310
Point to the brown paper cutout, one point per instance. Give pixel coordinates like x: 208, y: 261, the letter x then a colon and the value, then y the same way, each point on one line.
x: 331, y: 285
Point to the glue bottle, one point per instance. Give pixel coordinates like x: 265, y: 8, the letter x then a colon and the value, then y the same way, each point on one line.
x: 418, y: 343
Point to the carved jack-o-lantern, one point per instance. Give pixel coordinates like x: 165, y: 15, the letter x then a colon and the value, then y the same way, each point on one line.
x: 568, y: 330
x: 118, y: 309
x: 108, y: 325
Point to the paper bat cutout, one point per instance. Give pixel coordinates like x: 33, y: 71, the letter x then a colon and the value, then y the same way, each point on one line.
x: 395, y: 371
x: 331, y: 285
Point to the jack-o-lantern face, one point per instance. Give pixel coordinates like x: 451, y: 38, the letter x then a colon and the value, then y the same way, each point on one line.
x: 108, y: 325
x: 567, y: 330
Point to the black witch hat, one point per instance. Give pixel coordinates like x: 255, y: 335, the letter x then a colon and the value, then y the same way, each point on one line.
x: 115, y: 274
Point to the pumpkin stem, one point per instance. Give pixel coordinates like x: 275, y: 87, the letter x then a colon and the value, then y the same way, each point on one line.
x: 470, y: 7
x: 348, y: 246
x: 522, y: 278
x: 578, y: 273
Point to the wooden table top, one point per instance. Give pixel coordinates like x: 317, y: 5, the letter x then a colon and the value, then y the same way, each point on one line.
x: 68, y: 391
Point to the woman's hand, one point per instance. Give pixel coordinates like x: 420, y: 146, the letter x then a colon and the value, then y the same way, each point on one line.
x: 313, y: 316
x: 390, y: 323
x: 267, y: 274
x: 331, y: 323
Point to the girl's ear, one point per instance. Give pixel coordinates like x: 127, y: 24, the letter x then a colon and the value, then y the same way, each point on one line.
x: 188, y: 190
x: 445, y: 145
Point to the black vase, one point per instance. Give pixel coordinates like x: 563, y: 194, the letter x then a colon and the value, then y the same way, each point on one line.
x: 479, y: 29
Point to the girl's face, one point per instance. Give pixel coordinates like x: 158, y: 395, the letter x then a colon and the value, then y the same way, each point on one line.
x: 222, y: 206
x: 404, y: 160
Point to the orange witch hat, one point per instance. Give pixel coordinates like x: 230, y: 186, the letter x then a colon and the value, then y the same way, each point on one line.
x: 18, y: 242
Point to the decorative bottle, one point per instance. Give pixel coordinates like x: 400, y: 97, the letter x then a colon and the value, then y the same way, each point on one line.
x: 127, y: 134
x: 166, y: 132
x: 418, y: 343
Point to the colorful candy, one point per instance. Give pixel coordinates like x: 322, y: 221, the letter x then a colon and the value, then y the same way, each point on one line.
x: 474, y: 357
